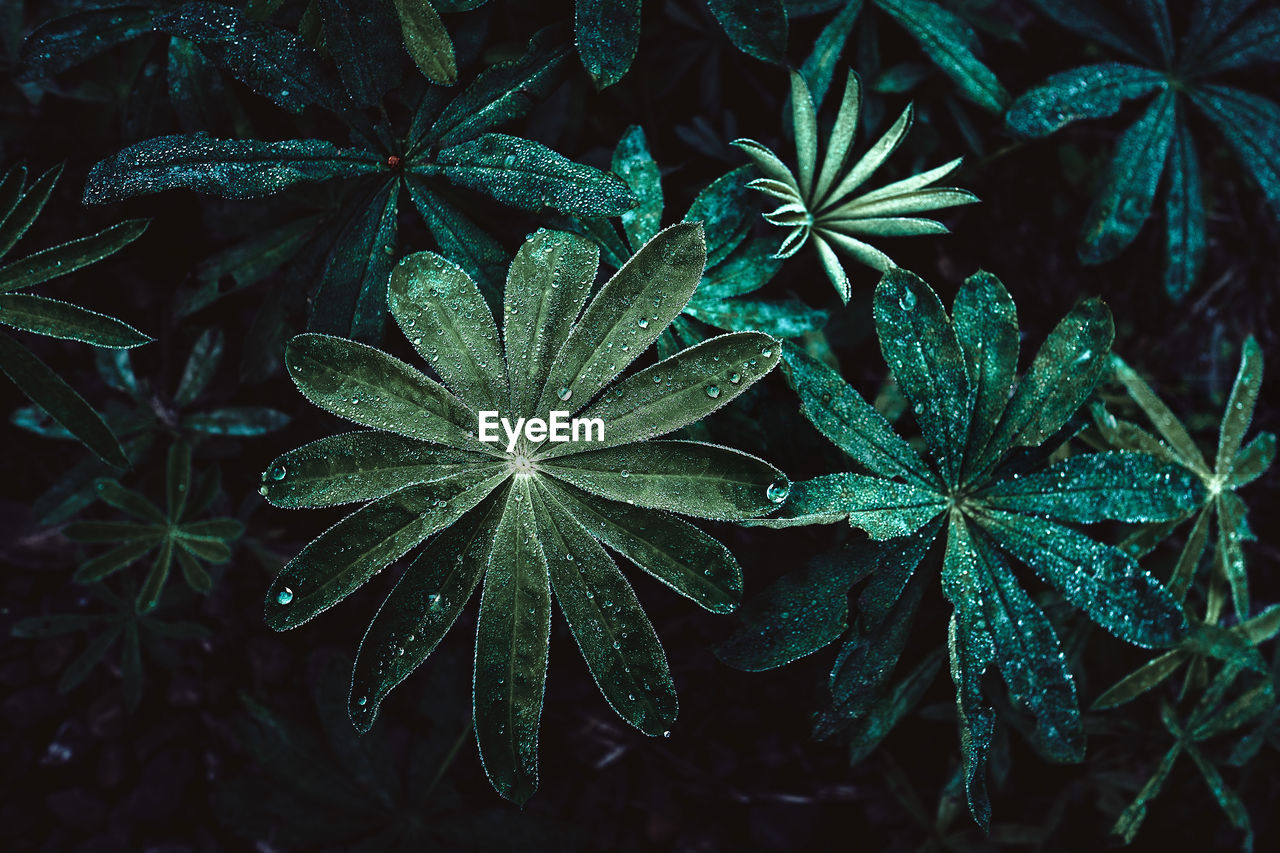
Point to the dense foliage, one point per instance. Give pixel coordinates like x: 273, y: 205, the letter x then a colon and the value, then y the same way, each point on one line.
x: 981, y: 445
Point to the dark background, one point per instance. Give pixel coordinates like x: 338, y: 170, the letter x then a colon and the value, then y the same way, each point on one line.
x: 739, y: 772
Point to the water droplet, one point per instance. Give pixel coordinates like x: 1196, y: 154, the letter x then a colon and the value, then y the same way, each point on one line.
x: 277, y: 473
x: 766, y: 352
x: 713, y: 391
x: 626, y: 473
x: 777, y: 492
x: 284, y: 596
x: 434, y: 602
x: 908, y: 300
x: 362, y: 701
x: 565, y: 392
x: 735, y: 378
x: 643, y: 323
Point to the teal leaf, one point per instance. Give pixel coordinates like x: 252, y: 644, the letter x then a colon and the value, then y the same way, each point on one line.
x: 1099, y: 579
x: 1184, y: 217
x: 60, y: 401
x: 948, y: 41
x: 271, y: 61
x: 849, y: 421
x: 1128, y: 191
x: 352, y: 298
x: 986, y: 323
x: 920, y: 345
x: 1248, y: 121
x: 512, y: 635
x: 528, y: 175
x: 501, y: 93
x: 1092, y: 487
x: 237, y: 421
x: 608, y: 36
x: 460, y: 240
x: 790, y: 318
x: 232, y: 168
x: 68, y: 40
x: 26, y: 204
x: 1239, y: 411
x: 1257, y: 40
x: 202, y: 364
x: 757, y: 29
x: 364, y: 41
x: 634, y: 164
x: 1092, y: 20
x: 1090, y: 91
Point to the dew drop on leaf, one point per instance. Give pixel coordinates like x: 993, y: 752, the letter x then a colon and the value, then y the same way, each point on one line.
x: 565, y: 392
x: 713, y: 391
x: 284, y: 596
x: 434, y: 602
x: 777, y: 492
x: 277, y: 472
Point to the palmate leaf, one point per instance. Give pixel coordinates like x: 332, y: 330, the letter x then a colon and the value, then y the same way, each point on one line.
x: 1177, y: 71
x: 527, y: 524
x: 822, y: 203
x: 957, y: 374
x: 64, y: 42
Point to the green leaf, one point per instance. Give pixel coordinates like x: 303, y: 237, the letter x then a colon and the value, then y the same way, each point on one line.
x: 442, y: 313
x: 344, y: 557
x: 60, y: 401
x: 608, y: 36
x: 512, y: 636
x: 66, y: 41
x: 851, y: 423
x: 192, y: 572
x: 364, y: 466
x: 373, y: 389
x: 701, y: 480
x: 27, y: 209
x: 726, y: 212
x: 202, y: 364
x: 1093, y: 487
x: 113, y: 561
x: 271, y: 61
x: 549, y: 282
x: 1142, y: 679
x: 1090, y: 91
x: 529, y: 175
x: 920, y: 345
x: 948, y: 41
x: 615, y: 637
x: 1184, y: 216
x: 177, y: 480
x: 110, y: 531
x: 61, y: 260
x: 1060, y: 379
x: 227, y: 529
x: 1154, y: 14
x: 820, y: 65
x: 746, y: 269
x: 634, y: 164
x: 680, y: 390
x: 971, y: 651
x: 1097, y: 578
x: 1239, y: 412
x: 422, y: 607
x: 352, y: 299
x: 501, y: 93
x: 209, y: 550
x: 1162, y: 418
x: 875, y: 724
x: 1256, y: 458
x: 668, y: 548
x: 231, y: 168
x: 626, y: 315
x: 196, y: 91
x: 149, y: 594
x: 427, y: 41
x: 78, y: 670
x: 111, y: 493
x: 757, y: 29
x: 1124, y: 203
x: 56, y: 319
